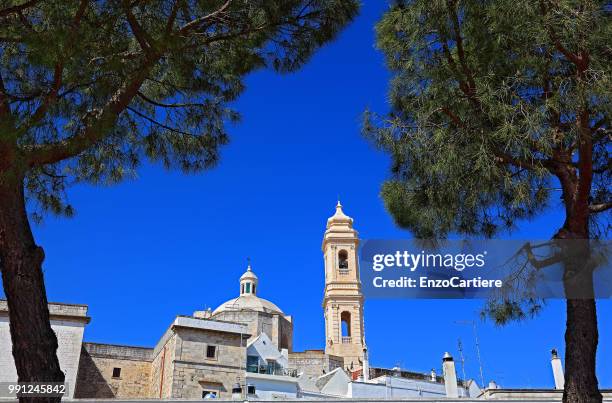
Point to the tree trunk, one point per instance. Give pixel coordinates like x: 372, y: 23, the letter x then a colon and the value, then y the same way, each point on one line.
x: 581, y: 335
x: 34, y: 342
x: 580, y: 349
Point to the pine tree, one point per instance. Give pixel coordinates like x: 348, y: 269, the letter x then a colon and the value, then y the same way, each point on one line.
x: 90, y: 89
x: 497, y: 107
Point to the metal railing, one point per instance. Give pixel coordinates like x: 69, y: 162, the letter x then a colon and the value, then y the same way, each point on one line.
x: 271, y: 370
x: 347, y: 340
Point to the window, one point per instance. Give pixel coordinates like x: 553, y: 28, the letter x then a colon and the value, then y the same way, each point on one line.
x: 250, y: 389
x: 209, y: 394
x: 345, y: 318
x: 116, y: 372
x: 236, y: 389
x: 343, y: 260
x: 253, y: 288
x: 211, y: 351
x: 252, y: 363
x: 248, y: 288
x: 270, y: 369
x: 242, y: 289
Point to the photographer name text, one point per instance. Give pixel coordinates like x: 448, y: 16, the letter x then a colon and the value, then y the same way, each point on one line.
x: 411, y: 262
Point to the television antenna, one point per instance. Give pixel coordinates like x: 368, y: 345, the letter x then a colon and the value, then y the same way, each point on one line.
x: 460, y: 348
x: 477, y: 343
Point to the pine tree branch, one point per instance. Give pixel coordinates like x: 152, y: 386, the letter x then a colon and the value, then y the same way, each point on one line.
x: 18, y: 8
x: 501, y: 156
x: 49, y: 99
x: 142, y: 37
x: 52, y: 97
x: 574, y: 58
x: 539, y: 264
x: 26, y: 23
x: 155, y: 122
x: 452, y: 8
x: 463, y: 85
x: 599, y: 124
x: 164, y: 105
x: 600, y: 207
x: 519, y: 163
x: 5, y: 108
x: 14, y: 39
x: 193, y: 24
x: 79, y: 15
x: 172, y: 18
x: 97, y: 124
x: 456, y: 120
x: 51, y: 175
x: 447, y: 53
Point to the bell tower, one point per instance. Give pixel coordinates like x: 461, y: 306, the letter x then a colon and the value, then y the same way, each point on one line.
x: 343, y: 300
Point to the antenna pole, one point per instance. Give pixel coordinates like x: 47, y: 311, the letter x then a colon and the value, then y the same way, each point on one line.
x: 478, y: 352
x: 460, y: 347
x: 473, y: 323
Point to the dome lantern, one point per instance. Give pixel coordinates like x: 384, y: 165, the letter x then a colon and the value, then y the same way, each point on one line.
x: 248, y: 299
x: 248, y: 282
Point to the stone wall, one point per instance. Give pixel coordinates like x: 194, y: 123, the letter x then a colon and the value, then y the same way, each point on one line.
x: 351, y: 347
x: 314, y: 362
x: 161, y: 368
x: 277, y: 327
x: 68, y: 321
x: 195, y: 373
x: 95, y: 376
x: 286, y: 333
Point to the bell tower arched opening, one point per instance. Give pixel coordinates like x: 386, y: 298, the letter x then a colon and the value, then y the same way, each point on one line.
x: 345, y: 324
x: 343, y: 264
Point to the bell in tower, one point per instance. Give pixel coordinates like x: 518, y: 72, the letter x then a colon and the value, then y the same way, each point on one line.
x: 343, y: 300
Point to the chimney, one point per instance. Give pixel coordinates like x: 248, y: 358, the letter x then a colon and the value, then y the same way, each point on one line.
x: 366, y: 365
x: 433, y: 376
x: 557, y: 368
x: 237, y: 391
x: 450, y: 376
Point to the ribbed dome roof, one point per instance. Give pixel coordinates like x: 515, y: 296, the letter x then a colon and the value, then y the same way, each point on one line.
x: 248, y: 302
x: 248, y: 274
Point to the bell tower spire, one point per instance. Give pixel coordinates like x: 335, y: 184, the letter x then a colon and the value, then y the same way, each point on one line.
x: 343, y: 300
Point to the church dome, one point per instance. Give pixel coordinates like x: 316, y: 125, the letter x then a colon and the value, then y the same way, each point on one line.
x: 248, y: 303
x: 248, y: 299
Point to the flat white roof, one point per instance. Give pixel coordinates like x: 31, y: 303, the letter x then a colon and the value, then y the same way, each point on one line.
x: 207, y: 324
x: 269, y: 377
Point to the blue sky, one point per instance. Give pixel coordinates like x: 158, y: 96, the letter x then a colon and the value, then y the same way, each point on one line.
x: 143, y: 251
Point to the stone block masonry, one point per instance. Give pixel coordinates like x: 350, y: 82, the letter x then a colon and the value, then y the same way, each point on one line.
x: 68, y: 321
x: 110, y: 371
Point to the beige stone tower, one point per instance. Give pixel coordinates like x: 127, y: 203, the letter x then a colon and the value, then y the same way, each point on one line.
x: 343, y: 300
